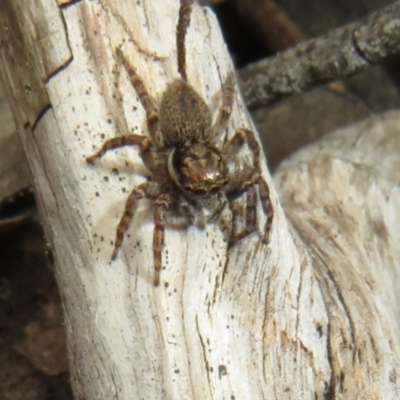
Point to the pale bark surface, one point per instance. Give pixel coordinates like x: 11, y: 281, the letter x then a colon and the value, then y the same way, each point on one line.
x: 314, y: 315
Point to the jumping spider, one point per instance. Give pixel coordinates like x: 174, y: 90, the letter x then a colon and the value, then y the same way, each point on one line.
x: 189, y: 170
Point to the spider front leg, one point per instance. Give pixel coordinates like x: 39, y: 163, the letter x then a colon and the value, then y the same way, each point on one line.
x: 147, y: 150
x: 263, y: 188
x: 242, y: 184
x: 146, y: 189
x: 163, y: 202
x: 267, y: 208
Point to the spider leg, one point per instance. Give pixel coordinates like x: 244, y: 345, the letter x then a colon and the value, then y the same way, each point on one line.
x: 251, y: 217
x: 242, y: 184
x: 185, y: 12
x: 162, y: 204
x: 147, y: 150
x: 262, y: 185
x: 225, y: 111
x: 218, y: 210
x: 146, y: 189
x: 267, y: 208
x: 120, y: 141
x: 241, y: 137
x: 146, y: 100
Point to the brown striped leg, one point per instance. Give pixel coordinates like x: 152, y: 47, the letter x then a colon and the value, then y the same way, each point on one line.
x: 267, y: 207
x: 230, y: 150
x: 120, y: 141
x: 241, y: 137
x: 185, y: 12
x: 146, y: 189
x: 232, y: 147
x: 161, y: 206
x: 147, y: 101
x: 262, y: 185
x: 148, y: 152
x: 225, y: 110
x: 251, y: 218
x: 234, y: 207
x: 239, y: 183
x: 218, y: 210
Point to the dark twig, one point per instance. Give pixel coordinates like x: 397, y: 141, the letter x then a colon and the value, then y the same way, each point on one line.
x: 339, y: 53
x: 272, y: 25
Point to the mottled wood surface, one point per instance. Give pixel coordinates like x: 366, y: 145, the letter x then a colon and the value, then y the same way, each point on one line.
x: 314, y: 315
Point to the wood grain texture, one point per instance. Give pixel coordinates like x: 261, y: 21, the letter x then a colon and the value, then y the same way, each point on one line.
x: 310, y: 316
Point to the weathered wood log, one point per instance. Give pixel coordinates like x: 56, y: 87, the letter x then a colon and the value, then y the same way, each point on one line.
x: 312, y: 315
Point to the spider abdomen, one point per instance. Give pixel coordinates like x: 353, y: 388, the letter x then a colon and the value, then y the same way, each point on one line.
x: 184, y: 115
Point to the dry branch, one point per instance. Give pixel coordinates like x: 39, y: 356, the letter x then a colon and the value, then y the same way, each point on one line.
x: 337, y: 54
x: 272, y: 25
x: 311, y: 315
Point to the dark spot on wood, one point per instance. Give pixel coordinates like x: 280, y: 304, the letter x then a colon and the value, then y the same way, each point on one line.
x: 222, y: 371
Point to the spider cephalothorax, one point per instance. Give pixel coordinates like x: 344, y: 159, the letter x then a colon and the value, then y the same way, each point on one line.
x: 197, y: 169
x: 188, y: 169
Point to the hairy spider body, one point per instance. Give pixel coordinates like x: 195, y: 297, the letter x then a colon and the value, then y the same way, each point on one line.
x: 184, y: 116
x: 189, y: 171
x: 197, y: 169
